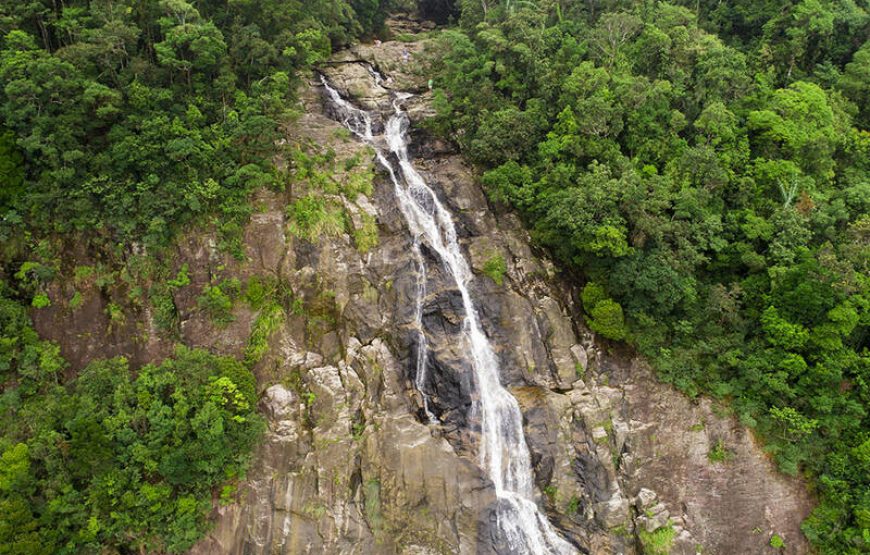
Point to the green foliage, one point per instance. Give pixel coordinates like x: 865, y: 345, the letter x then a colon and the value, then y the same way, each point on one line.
x: 217, y: 302
x: 182, y: 279
x: 551, y: 491
x: 719, y: 453
x: 495, y: 268
x: 313, y: 216
x: 270, y: 318
x: 161, y: 296
x: 11, y: 170
x: 604, y: 315
x: 165, y: 311
x: 320, y: 212
x: 129, y: 122
x: 591, y: 295
x: 358, y: 430
x: 120, y: 124
x: 258, y: 291
x: 365, y: 237
x: 109, y: 461
x: 608, y: 320
x: 703, y: 167
x: 573, y: 506
x: 76, y: 300
x: 658, y: 542
x: 372, y: 508
x: 41, y: 300
x: 776, y: 542
x: 22, y: 354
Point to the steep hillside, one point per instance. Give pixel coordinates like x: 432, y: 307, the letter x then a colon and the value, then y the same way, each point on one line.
x: 306, y: 373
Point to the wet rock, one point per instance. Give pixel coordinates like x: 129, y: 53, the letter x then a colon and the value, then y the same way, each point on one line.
x: 419, y: 108
x: 354, y: 80
x: 404, y: 65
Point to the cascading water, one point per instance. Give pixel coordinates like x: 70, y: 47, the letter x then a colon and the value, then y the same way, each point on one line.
x: 503, y: 450
x: 422, y: 344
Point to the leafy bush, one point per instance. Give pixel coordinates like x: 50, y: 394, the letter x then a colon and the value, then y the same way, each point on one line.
x: 113, y: 461
x: 495, y: 268
x: 217, y: 301
x: 658, y: 542
x: 258, y: 291
x: 365, y: 237
x: 591, y: 295
x: 604, y: 315
x: 313, y: 216
x: 120, y: 126
x: 704, y: 171
x: 776, y: 542
x: 608, y: 320
x: 174, y: 124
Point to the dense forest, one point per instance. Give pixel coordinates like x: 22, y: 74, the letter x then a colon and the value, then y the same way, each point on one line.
x: 701, y: 168
x: 121, y: 121
x: 704, y: 169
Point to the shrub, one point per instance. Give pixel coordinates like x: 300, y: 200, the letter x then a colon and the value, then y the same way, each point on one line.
x: 259, y: 291
x: 592, y: 294
x: 312, y: 216
x: 719, y: 453
x: 551, y: 491
x: 605, y: 316
x: 495, y: 268
x: 217, y: 303
x: 143, y: 457
x: 608, y: 320
x: 366, y: 237
x: 41, y: 300
x: 573, y: 506
x: 271, y: 317
x: 657, y: 542
x: 76, y: 300
x: 182, y: 279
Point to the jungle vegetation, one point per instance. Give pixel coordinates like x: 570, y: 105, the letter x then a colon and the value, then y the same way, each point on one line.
x: 703, y: 169
x: 122, y: 122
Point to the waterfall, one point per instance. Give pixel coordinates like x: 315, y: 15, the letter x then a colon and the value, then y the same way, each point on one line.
x: 422, y: 344
x: 504, y: 454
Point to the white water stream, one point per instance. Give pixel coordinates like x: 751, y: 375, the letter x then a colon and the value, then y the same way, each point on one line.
x: 503, y: 450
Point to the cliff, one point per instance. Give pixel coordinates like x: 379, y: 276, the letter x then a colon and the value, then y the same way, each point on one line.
x: 351, y: 463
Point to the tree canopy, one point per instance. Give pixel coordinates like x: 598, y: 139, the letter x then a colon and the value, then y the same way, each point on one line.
x: 132, y: 118
x: 705, y: 166
x: 110, y: 459
x: 121, y: 122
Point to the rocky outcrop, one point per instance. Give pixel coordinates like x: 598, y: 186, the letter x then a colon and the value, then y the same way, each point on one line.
x: 617, y: 455
x: 350, y: 464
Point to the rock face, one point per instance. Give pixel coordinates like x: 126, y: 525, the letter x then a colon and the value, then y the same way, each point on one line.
x: 359, y: 470
x: 350, y: 465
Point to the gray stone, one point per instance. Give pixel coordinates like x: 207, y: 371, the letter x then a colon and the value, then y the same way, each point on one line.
x: 580, y: 356
x: 645, y: 498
